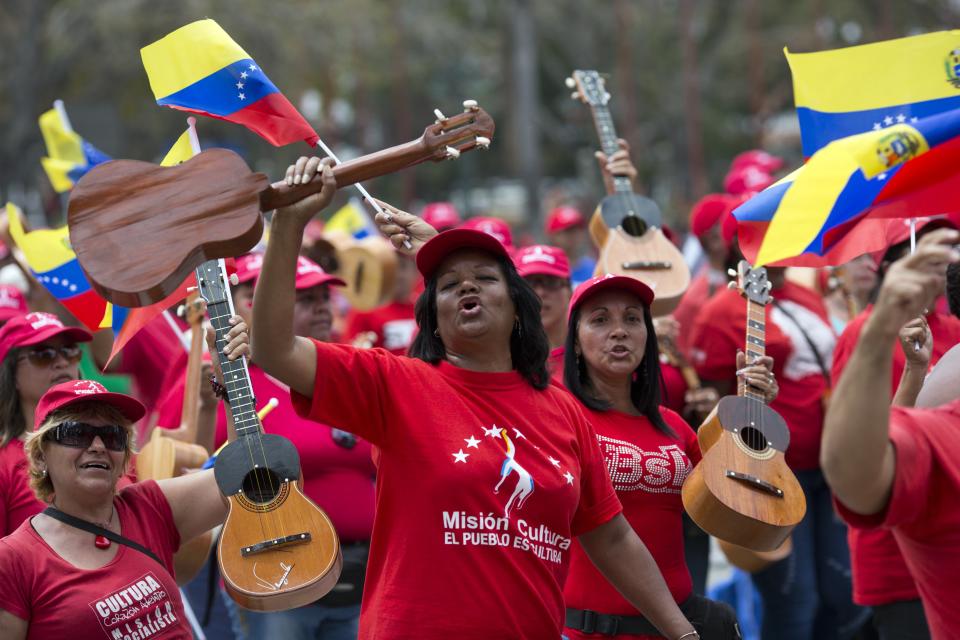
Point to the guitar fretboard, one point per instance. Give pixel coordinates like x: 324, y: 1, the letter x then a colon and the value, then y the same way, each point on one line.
x: 603, y: 122
x: 236, y: 378
x: 755, y: 345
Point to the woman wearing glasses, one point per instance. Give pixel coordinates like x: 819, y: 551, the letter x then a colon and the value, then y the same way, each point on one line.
x: 37, y: 352
x: 73, y: 570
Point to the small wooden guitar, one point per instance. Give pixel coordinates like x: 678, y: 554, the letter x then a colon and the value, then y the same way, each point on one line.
x: 210, y: 207
x: 626, y: 227
x: 278, y: 550
x: 367, y: 266
x: 743, y: 491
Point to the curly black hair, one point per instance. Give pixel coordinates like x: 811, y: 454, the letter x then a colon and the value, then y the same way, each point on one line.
x: 644, y: 389
x: 529, y: 346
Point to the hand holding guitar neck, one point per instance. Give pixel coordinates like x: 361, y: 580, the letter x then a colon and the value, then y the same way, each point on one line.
x: 617, y: 165
x: 308, y: 171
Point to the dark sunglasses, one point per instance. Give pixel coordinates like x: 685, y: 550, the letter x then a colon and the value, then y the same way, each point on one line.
x: 343, y: 438
x: 80, y: 435
x: 46, y: 356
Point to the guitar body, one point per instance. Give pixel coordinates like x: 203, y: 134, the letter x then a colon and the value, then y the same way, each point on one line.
x: 753, y: 561
x: 626, y: 230
x: 367, y: 266
x: 743, y: 491
x: 278, y: 550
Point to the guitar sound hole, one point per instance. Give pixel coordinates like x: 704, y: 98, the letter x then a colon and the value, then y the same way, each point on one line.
x: 753, y: 438
x: 261, y: 486
x: 634, y: 225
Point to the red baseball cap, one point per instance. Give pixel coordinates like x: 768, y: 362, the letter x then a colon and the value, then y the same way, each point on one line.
x: 12, y: 302
x: 597, y: 284
x: 443, y: 244
x: 492, y: 226
x: 565, y: 217
x: 310, y: 274
x: 34, y: 328
x: 440, y: 215
x: 541, y: 259
x: 747, y: 180
x: 757, y: 158
x: 77, y: 391
x: 709, y: 211
x: 248, y: 267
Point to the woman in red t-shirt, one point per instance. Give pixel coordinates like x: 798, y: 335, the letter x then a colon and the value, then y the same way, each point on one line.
x: 613, y: 368
x: 38, y: 351
x: 58, y: 580
x: 486, y: 471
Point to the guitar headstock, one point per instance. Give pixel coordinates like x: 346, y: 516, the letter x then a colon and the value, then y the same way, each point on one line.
x: 589, y: 88
x: 753, y: 284
x: 193, y: 310
x: 448, y: 137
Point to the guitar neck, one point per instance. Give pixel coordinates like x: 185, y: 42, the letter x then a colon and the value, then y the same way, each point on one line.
x: 235, y: 375
x: 603, y: 122
x: 755, y: 345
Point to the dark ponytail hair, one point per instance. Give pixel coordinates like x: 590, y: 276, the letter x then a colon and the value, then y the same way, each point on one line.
x: 644, y: 387
x: 529, y: 346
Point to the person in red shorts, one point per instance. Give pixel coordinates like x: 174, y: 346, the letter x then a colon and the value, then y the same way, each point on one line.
x: 37, y: 352
x: 547, y: 271
x: 897, y: 467
x: 63, y: 572
x: 390, y: 326
x: 613, y: 369
x: 486, y: 472
x: 808, y: 594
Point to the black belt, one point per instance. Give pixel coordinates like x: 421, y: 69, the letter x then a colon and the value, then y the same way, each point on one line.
x: 608, y: 625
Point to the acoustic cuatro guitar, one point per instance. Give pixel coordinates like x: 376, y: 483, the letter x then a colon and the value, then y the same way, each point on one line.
x: 278, y: 550
x: 743, y: 491
x: 627, y: 227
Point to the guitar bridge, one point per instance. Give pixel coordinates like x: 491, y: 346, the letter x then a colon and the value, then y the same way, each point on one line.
x: 276, y: 543
x: 755, y: 483
x: 645, y: 265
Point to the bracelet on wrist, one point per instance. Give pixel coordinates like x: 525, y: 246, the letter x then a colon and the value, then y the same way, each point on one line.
x: 690, y: 635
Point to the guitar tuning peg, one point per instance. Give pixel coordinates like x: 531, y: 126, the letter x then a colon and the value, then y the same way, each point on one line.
x: 769, y: 285
x: 191, y: 289
x: 439, y: 115
x: 452, y: 154
x: 570, y: 82
x: 732, y: 273
x: 483, y: 143
x: 575, y: 96
x: 470, y: 105
x: 731, y: 285
x: 234, y: 279
x: 606, y: 96
x: 182, y: 311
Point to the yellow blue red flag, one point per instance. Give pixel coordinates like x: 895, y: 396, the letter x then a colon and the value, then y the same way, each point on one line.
x: 69, y: 155
x: 351, y: 218
x: 200, y: 68
x: 905, y: 170
x: 869, y: 87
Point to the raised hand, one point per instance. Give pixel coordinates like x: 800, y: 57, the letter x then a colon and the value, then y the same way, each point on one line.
x: 917, y: 342
x: 403, y: 228
x: 303, y: 171
x: 617, y: 165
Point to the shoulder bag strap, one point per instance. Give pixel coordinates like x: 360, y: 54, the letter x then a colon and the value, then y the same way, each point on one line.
x: 816, y: 352
x: 72, y: 521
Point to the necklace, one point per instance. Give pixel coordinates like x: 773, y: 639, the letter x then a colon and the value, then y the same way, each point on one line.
x: 101, y: 541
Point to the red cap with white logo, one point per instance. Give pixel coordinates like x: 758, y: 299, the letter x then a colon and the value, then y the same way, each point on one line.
x: 441, y: 215
x: 248, y: 267
x: 597, y: 284
x: 563, y: 218
x: 34, y: 328
x: 77, y: 391
x: 541, y: 259
x: 495, y: 227
x: 12, y: 302
x: 310, y: 274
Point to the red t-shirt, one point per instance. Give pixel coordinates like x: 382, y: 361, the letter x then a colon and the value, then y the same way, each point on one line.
x: 392, y: 326
x: 703, y: 286
x: 17, y: 501
x: 673, y: 388
x: 338, y: 479
x: 482, y: 483
x: 150, y: 354
x: 648, y: 468
x: 944, y: 328
x: 922, y: 511
x: 131, y: 597
x: 720, y: 331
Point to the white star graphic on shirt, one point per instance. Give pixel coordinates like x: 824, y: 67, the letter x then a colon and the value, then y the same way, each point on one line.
x: 239, y: 85
x: 888, y: 121
x: 460, y: 456
x: 554, y: 461
x: 901, y: 118
x: 569, y: 477
x: 472, y: 442
x: 517, y: 434
x: 877, y: 126
x: 492, y: 431
x: 243, y: 75
x: 242, y: 96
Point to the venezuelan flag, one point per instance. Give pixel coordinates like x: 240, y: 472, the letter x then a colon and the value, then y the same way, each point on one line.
x: 70, y: 156
x: 843, y: 92
x: 899, y: 172
x: 199, y: 68
x: 351, y: 218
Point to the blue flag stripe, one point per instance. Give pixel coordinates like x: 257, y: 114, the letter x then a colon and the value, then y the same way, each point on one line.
x: 65, y: 281
x: 219, y: 94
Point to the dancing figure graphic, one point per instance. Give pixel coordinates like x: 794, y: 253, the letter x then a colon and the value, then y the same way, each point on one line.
x: 524, y: 480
